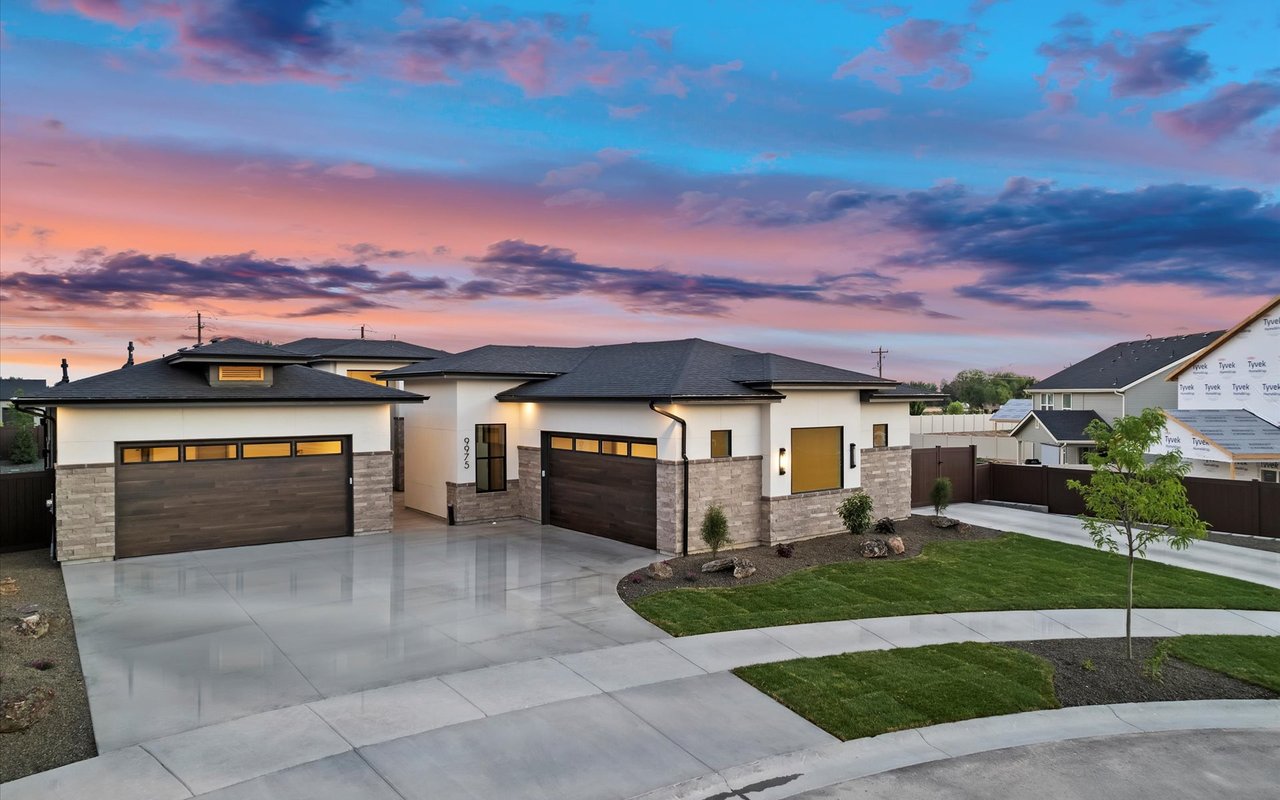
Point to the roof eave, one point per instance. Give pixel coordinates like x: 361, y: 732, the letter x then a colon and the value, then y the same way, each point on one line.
x: 37, y: 402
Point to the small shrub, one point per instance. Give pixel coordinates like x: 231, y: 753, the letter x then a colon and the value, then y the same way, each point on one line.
x: 1087, y: 665
x: 886, y: 527
x: 855, y: 511
x: 715, y: 529
x: 940, y: 495
x: 1154, y: 668
x: 691, y: 576
x: 785, y: 550
x: 42, y: 664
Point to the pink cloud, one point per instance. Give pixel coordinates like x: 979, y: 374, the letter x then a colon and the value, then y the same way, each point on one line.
x: 862, y: 115
x: 1230, y: 108
x: 352, y: 169
x: 915, y: 47
x: 676, y: 81
x: 627, y: 112
x: 662, y: 37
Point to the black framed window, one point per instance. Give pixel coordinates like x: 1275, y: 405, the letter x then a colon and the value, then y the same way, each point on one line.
x: 721, y: 444
x: 491, y: 458
x: 880, y: 435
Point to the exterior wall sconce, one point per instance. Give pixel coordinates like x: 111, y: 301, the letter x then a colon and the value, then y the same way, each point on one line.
x: 782, y: 461
x: 853, y: 455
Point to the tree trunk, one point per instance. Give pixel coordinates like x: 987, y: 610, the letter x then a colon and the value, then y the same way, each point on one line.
x: 1128, y: 609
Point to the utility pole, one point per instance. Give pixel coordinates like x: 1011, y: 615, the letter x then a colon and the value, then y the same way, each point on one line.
x: 361, y: 331
x: 199, y: 329
x: 880, y: 353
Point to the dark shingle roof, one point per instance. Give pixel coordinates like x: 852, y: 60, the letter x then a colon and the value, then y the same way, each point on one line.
x: 769, y: 368
x: 158, y: 381
x: 1122, y: 364
x: 1064, y: 426
x: 374, y: 349
x: 906, y: 391
x: 496, y: 359
x: 223, y: 350
x: 1237, y: 431
x: 12, y: 386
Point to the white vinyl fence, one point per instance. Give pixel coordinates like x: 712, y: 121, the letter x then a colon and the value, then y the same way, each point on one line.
x: 951, y: 423
x: 996, y: 448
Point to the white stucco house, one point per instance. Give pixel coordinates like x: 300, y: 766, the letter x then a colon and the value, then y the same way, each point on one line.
x: 224, y: 444
x: 1226, y: 422
x: 1121, y: 380
x: 635, y: 441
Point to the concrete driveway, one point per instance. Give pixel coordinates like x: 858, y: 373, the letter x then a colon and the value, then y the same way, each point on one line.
x: 171, y: 643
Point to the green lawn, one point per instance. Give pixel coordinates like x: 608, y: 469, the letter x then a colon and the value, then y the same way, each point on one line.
x: 1255, y: 659
x: 1012, y: 572
x: 865, y: 694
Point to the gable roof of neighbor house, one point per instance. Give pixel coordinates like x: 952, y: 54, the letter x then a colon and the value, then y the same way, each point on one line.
x: 684, y: 369
x: 1237, y: 431
x: 363, y: 349
x: 1226, y: 336
x: 162, y: 381
x: 1013, y: 410
x: 10, y: 387
x: 1066, y: 427
x: 1125, y: 363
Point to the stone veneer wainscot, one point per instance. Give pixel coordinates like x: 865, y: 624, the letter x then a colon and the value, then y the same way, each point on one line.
x: 371, y: 475
x: 84, y: 497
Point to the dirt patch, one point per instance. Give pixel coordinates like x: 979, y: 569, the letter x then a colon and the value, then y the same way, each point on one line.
x: 1088, y: 672
x: 916, y: 532
x: 63, y: 732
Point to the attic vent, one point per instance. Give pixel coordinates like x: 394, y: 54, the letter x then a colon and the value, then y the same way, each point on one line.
x: 241, y: 374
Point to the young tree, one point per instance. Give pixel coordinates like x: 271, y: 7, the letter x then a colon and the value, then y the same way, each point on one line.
x: 715, y: 529
x: 1132, y: 500
x: 940, y: 495
x: 23, y: 450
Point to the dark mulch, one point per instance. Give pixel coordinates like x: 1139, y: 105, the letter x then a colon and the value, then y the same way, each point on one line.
x: 66, y: 733
x: 916, y: 532
x: 1115, y: 679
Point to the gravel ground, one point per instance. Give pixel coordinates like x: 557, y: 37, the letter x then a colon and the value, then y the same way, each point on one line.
x: 66, y: 734
x: 1252, y: 542
x: 916, y: 532
x: 1115, y: 679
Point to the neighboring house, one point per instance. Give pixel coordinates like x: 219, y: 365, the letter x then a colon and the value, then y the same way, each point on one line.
x: 1007, y: 416
x: 16, y: 387
x: 1121, y: 380
x: 361, y: 358
x: 224, y: 444
x: 1227, y: 420
x: 596, y: 439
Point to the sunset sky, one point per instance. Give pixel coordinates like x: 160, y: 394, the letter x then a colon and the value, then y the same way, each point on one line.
x: 987, y: 183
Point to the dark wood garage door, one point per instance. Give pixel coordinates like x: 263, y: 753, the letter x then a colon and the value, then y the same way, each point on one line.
x: 178, y: 496
x: 603, y: 485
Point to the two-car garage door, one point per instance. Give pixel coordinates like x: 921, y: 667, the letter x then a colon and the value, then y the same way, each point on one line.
x: 193, y: 495
x: 605, y: 485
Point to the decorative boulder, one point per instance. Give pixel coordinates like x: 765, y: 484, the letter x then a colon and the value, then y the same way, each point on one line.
x: 33, y: 625
x: 660, y: 571
x: 896, y: 545
x: 874, y: 548
x: 718, y: 565
x: 743, y: 568
x: 944, y: 522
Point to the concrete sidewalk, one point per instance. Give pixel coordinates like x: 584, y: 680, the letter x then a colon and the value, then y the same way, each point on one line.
x: 612, y: 722
x: 1247, y: 564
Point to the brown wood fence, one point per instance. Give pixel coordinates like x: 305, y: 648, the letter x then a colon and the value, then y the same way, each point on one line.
x: 930, y: 463
x: 25, y: 521
x: 1249, y: 507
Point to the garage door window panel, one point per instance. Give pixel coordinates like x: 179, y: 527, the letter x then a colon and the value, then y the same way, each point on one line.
x: 641, y: 450
x: 613, y: 448
x: 209, y: 452
x: 148, y: 455
x: 328, y: 447
x: 816, y: 459
x: 491, y: 458
x: 268, y: 449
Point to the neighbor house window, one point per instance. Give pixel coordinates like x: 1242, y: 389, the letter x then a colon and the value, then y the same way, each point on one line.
x: 329, y: 447
x: 491, y: 458
x: 721, y: 444
x: 880, y: 435
x: 147, y: 455
x: 815, y: 459
x: 1270, y: 476
x: 1066, y: 401
x: 241, y: 374
x: 268, y: 449
x: 1046, y: 401
x: 209, y: 452
x: 365, y: 375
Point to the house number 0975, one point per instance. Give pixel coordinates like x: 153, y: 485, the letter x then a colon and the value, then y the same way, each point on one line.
x: 466, y: 452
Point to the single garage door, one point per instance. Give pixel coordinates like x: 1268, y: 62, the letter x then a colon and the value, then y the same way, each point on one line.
x: 606, y: 485
x: 194, y: 495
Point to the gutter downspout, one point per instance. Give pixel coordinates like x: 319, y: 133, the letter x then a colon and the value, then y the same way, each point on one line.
x: 684, y: 458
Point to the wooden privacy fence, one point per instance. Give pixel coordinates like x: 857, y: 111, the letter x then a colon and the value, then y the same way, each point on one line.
x: 25, y: 521
x: 1249, y: 507
x: 930, y: 463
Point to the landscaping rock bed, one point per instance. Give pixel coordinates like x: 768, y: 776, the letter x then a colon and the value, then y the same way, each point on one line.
x: 1088, y: 672
x: 915, y: 532
x: 46, y: 709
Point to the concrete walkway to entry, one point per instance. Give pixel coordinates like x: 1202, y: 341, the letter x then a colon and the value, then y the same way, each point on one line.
x: 611, y: 722
x: 1257, y: 566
